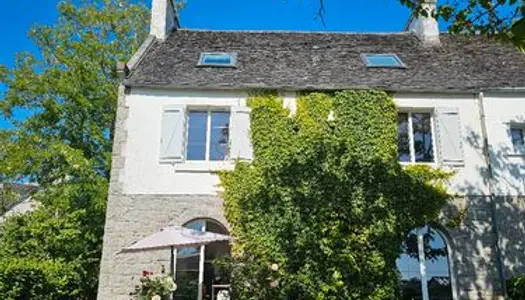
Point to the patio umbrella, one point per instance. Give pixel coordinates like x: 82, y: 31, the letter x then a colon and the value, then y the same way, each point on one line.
x: 176, y: 237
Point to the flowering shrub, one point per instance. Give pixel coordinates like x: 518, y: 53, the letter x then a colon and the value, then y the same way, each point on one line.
x: 154, y: 287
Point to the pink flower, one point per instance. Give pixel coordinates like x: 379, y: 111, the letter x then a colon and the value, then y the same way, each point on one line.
x: 274, y: 284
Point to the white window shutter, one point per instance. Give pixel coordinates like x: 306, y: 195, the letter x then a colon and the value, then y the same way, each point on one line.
x: 173, y: 133
x: 448, y: 136
x: 240, y: 143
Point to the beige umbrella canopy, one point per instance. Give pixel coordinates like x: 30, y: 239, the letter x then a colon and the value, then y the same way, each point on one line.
x: 177, y: 237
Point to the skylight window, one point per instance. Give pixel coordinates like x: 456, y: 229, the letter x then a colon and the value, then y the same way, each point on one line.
x: 387, y: 60
x: 217, y: 59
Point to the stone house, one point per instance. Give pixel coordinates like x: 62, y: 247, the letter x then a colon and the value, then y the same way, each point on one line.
x: 182, y: 116
x: 16, y: 199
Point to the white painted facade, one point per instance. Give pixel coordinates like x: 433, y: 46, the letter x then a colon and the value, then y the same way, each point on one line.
x: 502, y: 111
x: 144, y: 173
x: 468, y: 180
x: 23, y: 207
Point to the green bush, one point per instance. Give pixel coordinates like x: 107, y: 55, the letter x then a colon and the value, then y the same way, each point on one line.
x: 321, y: 211
x: 516, y: 288
x: 34, y: 279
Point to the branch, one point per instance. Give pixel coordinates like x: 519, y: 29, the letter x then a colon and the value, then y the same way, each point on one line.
x: 321, y: 13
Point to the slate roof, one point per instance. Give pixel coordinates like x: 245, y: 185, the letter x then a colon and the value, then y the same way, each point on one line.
x: 326, y: 61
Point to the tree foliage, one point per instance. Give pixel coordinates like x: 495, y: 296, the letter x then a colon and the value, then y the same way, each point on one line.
x: 7, y: 198
x: 516, y: 287
x: 70, y: 91
x: 325, y: 201
x: 502, y: 19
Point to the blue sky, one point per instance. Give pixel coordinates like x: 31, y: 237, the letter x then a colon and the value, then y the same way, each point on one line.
x: 17, y: 17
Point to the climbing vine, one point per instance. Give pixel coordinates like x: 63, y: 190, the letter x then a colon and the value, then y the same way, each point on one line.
x: 323, y: 208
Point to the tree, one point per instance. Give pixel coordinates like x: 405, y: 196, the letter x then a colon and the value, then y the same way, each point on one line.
x: 323, y: 209
x: 502, y: 19
x: 70, y: 90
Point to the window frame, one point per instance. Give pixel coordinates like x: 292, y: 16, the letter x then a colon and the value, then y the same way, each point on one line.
x: 200, y: 252
x: 208, y: 110
x: 517, y: 149
x: 232, y: 64
x: 422, y: 261
x: 368, y: 64
x: 412, y: 148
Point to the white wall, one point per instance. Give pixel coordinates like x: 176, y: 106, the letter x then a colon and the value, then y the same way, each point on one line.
x: 469, y: 178
x: 508, y: 166
x: 143, y: 174
x: 21, y: 208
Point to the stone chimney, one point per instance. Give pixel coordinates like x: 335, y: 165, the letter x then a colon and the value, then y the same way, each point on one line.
x: 164, y: 18
x: 425, y: 27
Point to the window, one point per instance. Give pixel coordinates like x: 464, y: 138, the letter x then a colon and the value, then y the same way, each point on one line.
x: 382, y: 60
x: 415, y: 137
x: 196, y: 276
x: 518, y: 139
x: 424, y: 266
x: 217, y: 59
x: 208, y: 135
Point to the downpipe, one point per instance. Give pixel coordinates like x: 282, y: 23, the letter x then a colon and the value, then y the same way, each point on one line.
x: 492, y: 196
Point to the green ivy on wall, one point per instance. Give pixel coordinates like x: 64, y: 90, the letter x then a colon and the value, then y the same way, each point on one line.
x: 323, y: 208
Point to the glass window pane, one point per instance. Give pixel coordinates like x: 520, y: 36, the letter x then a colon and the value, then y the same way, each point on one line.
x: 408, y: 266
x: 214, y: 276
x: 188, y: 262
x: 517, y: 138
x: 403, y: 142
x: 217, y: 59
x: 187, y: 285
x: 436, y: 263
x: 187, y: 268
x: 197, y: 126
x: 191, y: 252
x: 422, y: 134
x: 383, y: 60
x: 220, y: 135
x: 197, y: 225
x: 437, y: 267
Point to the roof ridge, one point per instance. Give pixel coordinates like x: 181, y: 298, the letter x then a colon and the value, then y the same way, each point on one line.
x: 296, y: 31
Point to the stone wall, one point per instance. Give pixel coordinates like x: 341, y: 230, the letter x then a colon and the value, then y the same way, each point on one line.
x: 133, y: 217
x: 474, y: 256
x: 510, y: 215
x: 473, y: 252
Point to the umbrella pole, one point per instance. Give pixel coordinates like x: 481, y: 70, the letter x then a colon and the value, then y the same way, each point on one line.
x: 172, y: 262
x: 172, y: 268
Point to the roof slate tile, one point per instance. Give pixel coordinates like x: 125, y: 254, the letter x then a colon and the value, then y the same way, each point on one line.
x: 326, y: 61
